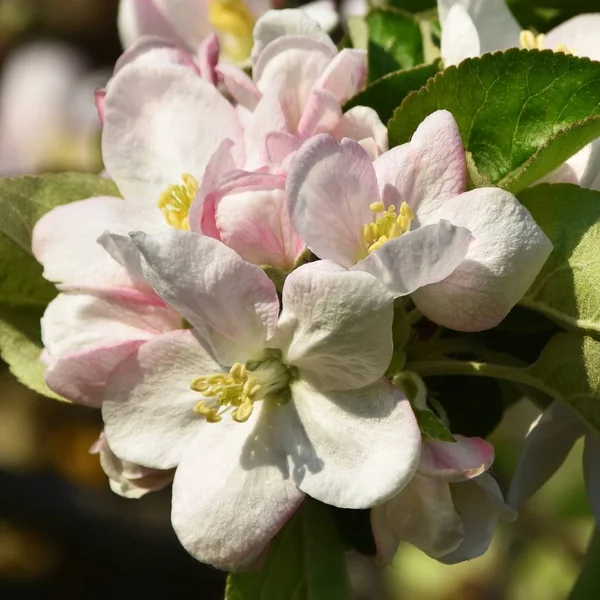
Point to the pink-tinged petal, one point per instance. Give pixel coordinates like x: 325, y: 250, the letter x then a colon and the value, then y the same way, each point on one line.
x: 280, y: 145
x: 456, y: 461
x: 345, y: 75
x: 190, y: 19
x: 546, y: 446
x: 232, y: 492
x: 256, y: 224
x: 362, y: 124
x: 220, y: 164
x: 123, y: 251
x: 162, y: 121
x: 460, y: 38
x: 418, y: 258
x: 81, y: 377
x: 321, y: 114
x: 579, y: 35
x: 148, y: 404
x: 397, y: 173
x: 291, y: 67
x: 128, y: 479
x: 504, y: 258
x: 231, y: 303
x: 591, y: 456
x: 330, y: 186
x: 423, y: 515
x: 241, y: 88
x: 353, y: 449
x: 282, y: 23
x: 139, y: 18
x: 326, y: 309
x: 64, y: 240
x: 76, y: 322
x: 495, y: 24
x: 324, y: 12
x: 99, y: 96
x: 439, y: 169
x: 208, y: 57
x: 480, y: 504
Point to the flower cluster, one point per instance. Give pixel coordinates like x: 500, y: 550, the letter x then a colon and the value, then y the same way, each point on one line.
x: 234, y: 314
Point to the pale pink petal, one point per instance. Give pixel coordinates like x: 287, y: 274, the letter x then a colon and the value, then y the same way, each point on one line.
x: 231, y: 303
x: 291, y: 66
x: 280, y: 23
x: 504, y: 258
x: 362, y: 124
x: 326, y: 309
x: 280, y: 145
x: 148, y: 405
x: 321, y: 114
x: 579, y: 35
x: 330, y: 186
x: 463, y: 459
x: 99, y: 96
x: 64, y: 239
x: 232, y: 492
x: 256, y: 224
x: 547, y: 445
x: 161, y: 122
x: 189, y: 18
x: 350, y: 449
x: 239, y: 85
x: 418, y: 258
x: 345, y: 75
x: 208, y: 57
x: 423, y: 515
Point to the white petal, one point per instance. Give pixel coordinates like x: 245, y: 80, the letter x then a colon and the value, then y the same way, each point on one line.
x: 503, y: 260
x: 362, y: 123
x: 335, y: 326
x: 232, y: 492
x: 460, y: 38
x: 161, y: 121
x: 278, y: 23
x: 423, y: 515
x: 323, y: 12
x: 547, y: 445
x: 417, y: 258
x: 148, y: 407
x: 480, y: 504
x: 350, y: 449
x: 64, y: 240
x: 579, y: 35
x: 230, y: 302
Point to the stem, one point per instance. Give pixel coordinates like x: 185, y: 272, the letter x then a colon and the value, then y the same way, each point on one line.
x: 478, y: 369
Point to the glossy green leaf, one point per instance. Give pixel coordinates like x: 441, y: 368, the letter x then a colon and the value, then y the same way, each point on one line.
x: 567, y: 288
x: 305, y: 562
x: 394, y: 42
x: 521, y: 113
x: 387, y: 93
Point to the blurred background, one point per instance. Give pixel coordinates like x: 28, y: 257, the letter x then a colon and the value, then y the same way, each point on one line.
x: 63, y: 533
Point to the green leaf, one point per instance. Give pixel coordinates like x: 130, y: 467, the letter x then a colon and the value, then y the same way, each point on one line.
x: 394, y: 42
x: 587, y: 585
x: 521, y: 113
x: 567, y: 288
x: 413, y: 6
x: 24, y: 293
x: 305, y: 562
x: 432, y: 426
x: 387, y: 93
x: 569, y: 368
x: 21, y: 345
x: 23, y: 200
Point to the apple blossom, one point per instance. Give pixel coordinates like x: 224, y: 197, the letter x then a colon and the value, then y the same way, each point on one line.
x: 188, y: 22
x: 472, y: 27
x: 449, y: 509
x: 466, y: 257
x: 546, y: 446
x: 255, y: 408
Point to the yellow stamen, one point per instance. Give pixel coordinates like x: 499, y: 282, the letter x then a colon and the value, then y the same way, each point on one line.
x: 235, y: 22
x: 531, y: 41
x: 386, y: 225
x: 176, y: 200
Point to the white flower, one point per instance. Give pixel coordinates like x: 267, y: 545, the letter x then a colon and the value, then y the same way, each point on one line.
x: 256, y: 408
